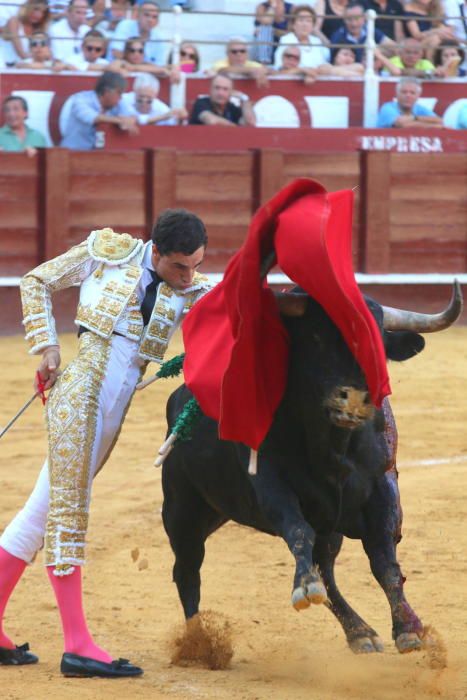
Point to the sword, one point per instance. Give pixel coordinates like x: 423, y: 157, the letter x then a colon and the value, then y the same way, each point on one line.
x: 39, y: 392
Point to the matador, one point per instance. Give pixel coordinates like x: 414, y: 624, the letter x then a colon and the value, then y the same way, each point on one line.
x: 133, y: 296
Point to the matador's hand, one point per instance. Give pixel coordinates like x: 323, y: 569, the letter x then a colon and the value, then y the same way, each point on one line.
x: 48, y: 368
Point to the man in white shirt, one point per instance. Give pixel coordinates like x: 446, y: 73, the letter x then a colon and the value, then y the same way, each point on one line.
x: 145, y: 28
x: 91, y: 56
x: 67, y: 34
x: 143, y: 103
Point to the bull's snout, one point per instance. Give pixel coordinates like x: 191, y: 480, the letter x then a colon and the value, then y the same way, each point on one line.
x: 349, y: 407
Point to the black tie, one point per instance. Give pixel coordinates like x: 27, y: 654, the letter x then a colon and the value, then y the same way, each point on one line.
x: 149, y: 300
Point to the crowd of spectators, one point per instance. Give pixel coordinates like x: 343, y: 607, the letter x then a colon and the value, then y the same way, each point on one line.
x: 415, y: 39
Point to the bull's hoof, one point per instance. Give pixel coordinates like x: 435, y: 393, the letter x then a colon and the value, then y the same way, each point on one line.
x: 407, y: 642
x: 313, y: 592
x: 366, y: 645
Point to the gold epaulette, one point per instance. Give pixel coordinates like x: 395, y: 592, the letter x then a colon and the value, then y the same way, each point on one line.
x: 200, y: 280
x: 113, y: 248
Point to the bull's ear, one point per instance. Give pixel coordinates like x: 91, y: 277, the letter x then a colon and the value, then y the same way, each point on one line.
x: 291, y: 304
x: 402, y: 345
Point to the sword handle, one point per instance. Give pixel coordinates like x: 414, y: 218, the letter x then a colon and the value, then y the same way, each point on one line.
x: 40, y: 388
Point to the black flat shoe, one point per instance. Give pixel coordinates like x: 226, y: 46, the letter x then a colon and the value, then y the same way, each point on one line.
x: 81, y: 666
x: 20, y: 656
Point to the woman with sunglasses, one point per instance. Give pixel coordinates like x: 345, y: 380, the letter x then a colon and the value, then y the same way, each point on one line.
x: 32, y: 17
x: 41, y: 56
x: 134, y: 62
x: 313, y: 52
x: 189, y: 58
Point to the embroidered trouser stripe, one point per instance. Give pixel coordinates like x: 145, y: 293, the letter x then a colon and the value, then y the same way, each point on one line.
x: 25, y: 534
x: 72, y: 417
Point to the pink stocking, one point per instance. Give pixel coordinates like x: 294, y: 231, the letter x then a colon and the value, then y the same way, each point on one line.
x: 69, y: 597
x: 11, y: 569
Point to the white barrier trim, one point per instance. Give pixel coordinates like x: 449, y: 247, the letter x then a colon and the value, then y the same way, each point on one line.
x: 280, y: 278
x: 430, y: 278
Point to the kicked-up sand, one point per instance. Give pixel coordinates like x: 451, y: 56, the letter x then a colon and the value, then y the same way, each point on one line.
x: 279, y: 654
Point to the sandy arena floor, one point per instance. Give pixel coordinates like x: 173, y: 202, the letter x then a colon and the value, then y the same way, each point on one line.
x: 279, y: 655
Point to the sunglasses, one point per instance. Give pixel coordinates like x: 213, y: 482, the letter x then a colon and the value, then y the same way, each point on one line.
x: 187, y: 54
x: 292, y: 55
x: 135, y: 50
x: 38, y: 42
x: 235, y: 51
x: 144, y: 100
x: 96, y: 49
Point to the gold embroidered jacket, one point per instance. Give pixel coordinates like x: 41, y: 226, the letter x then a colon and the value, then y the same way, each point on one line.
x: 107, y: 266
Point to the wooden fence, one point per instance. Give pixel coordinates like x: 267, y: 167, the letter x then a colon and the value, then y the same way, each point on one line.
x: 410, y: 213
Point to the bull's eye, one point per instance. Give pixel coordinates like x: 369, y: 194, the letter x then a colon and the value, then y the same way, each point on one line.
x: 342, y: 394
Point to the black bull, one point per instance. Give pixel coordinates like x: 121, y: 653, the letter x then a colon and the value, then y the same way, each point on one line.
x: 325, y: 470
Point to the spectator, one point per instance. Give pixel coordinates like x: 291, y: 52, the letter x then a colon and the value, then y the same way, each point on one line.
x: 281, y: 12
x: 455, y: 12
x: 354, y: 30
x: 462, y: 117
x: 263, y: 47
x: 312, y: 51
x: 145, y: 28
x: 67, y: 33
x: 411, y: 62
x: 420, y: 26
x: 236, y: 64
x: 391, y: 28
x: 102, y: 105
x: 111, y: 17
x: 32, y: 17
x: 344, y: 65
x: 382, y: 64
x: 41, y: 56
x: 405, y: 112
x: 91, y: 56
x: 189, y: 58
x: 134, y: 62
x: 448, y: 60
x: 16, y: 135
x: 330, y: 15
x: 218, y: 109
x: 144, y: 104
x: 291, y: 65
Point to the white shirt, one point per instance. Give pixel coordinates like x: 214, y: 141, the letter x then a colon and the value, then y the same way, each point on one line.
x: 312, y: 55
x: 158, y: 108
x: 154, y: 48
x: 64, y: 41
x: 78, y: 61
x: 456, y: 11
x: 146, y: 264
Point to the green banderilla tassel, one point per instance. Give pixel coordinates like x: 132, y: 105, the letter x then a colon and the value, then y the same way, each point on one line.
x: 171, y: 368
x: 187, y: 419
x: 182, y: 429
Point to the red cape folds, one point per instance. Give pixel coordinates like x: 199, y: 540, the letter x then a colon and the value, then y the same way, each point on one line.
x: 236, y: 345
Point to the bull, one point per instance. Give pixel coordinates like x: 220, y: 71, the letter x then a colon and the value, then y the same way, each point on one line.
x: 325, y: 470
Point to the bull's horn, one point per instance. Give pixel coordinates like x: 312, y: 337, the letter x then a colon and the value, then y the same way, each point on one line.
x: 291, y: 304
x: 402, y: 320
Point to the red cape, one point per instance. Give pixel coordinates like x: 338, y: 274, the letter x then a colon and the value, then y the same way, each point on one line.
x: 235, y: 342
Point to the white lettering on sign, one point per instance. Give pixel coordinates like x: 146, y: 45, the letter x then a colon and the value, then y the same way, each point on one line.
x: 402, y: 144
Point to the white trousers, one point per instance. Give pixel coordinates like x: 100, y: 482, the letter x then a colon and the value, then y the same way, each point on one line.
x: 24, y: 536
